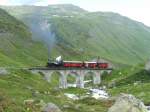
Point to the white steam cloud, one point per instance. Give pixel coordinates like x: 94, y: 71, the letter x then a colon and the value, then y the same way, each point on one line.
x: 41, y: 30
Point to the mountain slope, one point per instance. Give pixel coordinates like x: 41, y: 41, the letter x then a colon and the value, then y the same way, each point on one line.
x: 83, y: 35
x: 16, y: 45
x: 78, y: 35
x: 125, y: 41
x: 133, y: 80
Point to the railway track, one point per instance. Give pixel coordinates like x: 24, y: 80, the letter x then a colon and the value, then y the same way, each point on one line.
x: 63, y: 68
x: 52, y: 68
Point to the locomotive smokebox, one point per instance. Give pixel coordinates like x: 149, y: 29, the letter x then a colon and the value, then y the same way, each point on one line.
x: 59, y: 59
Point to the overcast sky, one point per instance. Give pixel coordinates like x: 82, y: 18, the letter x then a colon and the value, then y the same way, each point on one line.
x: 136, y: 9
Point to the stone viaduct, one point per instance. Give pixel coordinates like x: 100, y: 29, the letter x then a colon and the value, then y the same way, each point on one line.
x: 79, y: 74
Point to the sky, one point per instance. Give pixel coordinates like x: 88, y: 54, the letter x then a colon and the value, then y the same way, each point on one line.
x: 135, y: 9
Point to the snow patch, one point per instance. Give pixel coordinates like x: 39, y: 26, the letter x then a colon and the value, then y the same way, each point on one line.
x: 63, y: 16
x: 71, y: 85
x: 71, y: 96
x: 55, y: 15
x: 99, y: 93
x: 87, y: 81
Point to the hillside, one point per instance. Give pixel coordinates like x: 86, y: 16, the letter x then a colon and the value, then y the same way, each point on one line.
x: 18, y: 49
x: 80, y: 34
x: 77, y: 35
x: 23, y: 86
x: 133, y: 80
x: 16, y: 45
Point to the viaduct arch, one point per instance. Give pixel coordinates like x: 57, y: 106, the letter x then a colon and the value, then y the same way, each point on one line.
x: 80, y: 74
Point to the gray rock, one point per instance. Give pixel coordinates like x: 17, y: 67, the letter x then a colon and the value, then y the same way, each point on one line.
x: 147, y: 65
x: 136, y: 83
x: 112, y: 84
x: 3, y: 71
x: 66, y: 106
x: 128, y: 103
x: 28, y: 102
x: 50, y: 107
x: 148, y: 108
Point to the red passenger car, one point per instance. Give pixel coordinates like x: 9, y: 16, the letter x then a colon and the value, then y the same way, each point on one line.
x: 103, y: 65
x: 73, y: 64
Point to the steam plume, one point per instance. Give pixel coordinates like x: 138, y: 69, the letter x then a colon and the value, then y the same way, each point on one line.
x: 41, y: 30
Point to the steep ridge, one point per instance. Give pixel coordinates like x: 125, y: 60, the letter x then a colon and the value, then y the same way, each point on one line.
x: 16, y: 45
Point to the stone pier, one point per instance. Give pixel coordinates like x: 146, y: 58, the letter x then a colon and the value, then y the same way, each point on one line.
x: 80, y: 79
x: 97, y: 78
x: 63, y: 79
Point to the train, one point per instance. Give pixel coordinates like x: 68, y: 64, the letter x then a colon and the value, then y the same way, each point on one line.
x: 60, y: 63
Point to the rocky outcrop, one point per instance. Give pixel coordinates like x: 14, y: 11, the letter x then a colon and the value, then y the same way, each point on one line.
x: 127, y: 103
x: 50, y: 107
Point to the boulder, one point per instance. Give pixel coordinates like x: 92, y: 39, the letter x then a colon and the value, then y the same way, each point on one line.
x: 3, y: 71
x: 50, y: 107
x: 128, y: 103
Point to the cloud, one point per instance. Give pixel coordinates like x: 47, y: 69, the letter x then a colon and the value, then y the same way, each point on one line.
x: 46, y: 2
x: 52, y: 1
x: 28, y: 2
x: 3, y: 2
x: 23, y: 2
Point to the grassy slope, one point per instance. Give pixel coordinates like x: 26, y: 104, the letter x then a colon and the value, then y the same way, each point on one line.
x: 133, y: 80
x: 17, y: 49
x: 22, y: 85
x: 98, y: 35
x: 86, y: 35
x: 16, y: 45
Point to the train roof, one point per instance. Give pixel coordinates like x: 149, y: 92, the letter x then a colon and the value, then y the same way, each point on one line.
x: 90, y: 62
x: 83, y: 61
x: 73, y: 61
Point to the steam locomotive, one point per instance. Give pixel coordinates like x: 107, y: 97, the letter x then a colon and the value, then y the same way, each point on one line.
x: 76, y: 64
